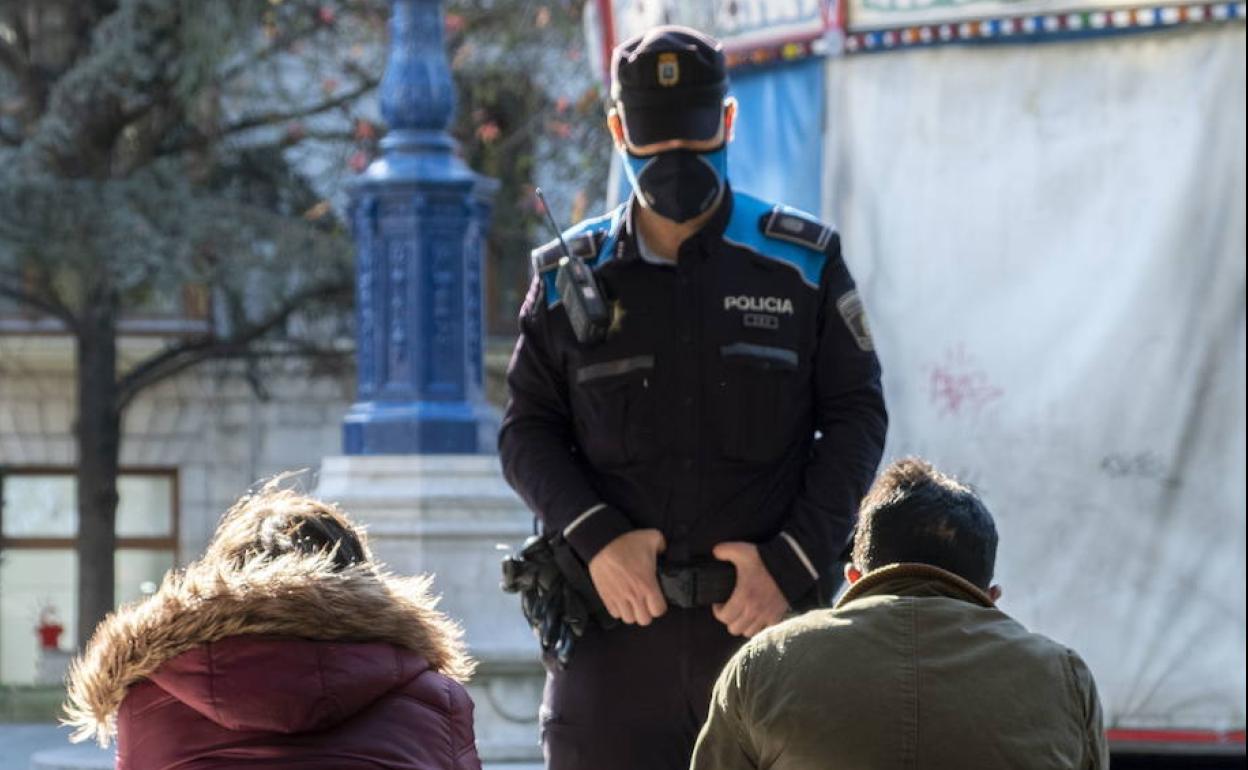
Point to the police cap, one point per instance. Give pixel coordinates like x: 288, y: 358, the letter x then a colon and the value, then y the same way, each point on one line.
x: 671, y: 81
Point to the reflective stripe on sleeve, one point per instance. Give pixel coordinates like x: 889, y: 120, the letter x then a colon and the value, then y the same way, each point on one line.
x: 580, y: 519
x: 797, y: 549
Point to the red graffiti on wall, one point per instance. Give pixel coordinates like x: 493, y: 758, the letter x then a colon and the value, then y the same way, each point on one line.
x: 957, y: 385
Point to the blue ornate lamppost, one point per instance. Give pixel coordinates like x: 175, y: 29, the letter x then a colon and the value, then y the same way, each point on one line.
x: 419, y: 216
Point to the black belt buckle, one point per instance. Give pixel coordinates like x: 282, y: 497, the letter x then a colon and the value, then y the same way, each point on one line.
x: 683, y: 585
x: 679, y: 586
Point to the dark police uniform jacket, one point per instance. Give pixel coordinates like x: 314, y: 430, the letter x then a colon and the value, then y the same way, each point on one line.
x: 736, y: 398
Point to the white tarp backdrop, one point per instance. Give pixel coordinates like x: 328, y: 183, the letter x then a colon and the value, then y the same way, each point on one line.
x: 1050, y: 241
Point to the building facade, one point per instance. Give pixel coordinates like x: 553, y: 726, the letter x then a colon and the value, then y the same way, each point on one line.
x: 191, y: 445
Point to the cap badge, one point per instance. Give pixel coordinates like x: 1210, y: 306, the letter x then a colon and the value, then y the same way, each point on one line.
x: 669, y: 69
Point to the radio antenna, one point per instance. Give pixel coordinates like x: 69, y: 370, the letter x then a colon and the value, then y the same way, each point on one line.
x: 551, y: 219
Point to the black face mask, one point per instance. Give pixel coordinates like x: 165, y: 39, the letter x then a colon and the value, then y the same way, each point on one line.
x: 679, y: 184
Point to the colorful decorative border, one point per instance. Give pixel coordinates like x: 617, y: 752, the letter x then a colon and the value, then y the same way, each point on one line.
x: 1031, y: 27
x: 806, y: 36
x: 779, y: 53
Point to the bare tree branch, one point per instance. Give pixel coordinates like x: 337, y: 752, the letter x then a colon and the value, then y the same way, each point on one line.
x: 324, y: 136
x: 46, y: 305
x: 292, y: 139
x: 277, y: 116
x: 279, y: 45
x: 178, y: 358
x: 43, y: 291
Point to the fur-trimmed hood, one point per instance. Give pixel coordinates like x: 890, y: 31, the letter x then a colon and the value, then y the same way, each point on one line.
x: 292, y: 596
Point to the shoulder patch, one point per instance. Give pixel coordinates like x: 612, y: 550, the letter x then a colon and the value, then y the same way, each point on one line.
x: 748, y: 229
x: 584, y: 245
x: 591, y: 240
x: 585, y: 240
x: 849, y: 305
x: 796, y: 226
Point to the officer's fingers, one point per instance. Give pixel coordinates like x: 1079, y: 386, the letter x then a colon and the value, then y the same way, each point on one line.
x: 741, y: 620
x: 613, y: 607
x: 732, y: 611
x: 606, y: 592
x: 654, y: 600
x: 623, y: 594
x: 637, y: 603
x: 628, y: 613
x: 747, y: 609
x: 646, y: 599
x: 750, y: 624
x: 729, y: 622
x: 737, y: 627
x: 660, y: 542
x: 757, y: 628
x: 763, y: 620
x: 662, y: 600
x: 730, y: 552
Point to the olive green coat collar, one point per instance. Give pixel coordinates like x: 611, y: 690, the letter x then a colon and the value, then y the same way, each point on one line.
x: 913, y: 579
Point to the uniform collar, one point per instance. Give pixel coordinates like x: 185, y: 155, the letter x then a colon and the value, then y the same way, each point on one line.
x: 913, y: 579
x: 712, y: 231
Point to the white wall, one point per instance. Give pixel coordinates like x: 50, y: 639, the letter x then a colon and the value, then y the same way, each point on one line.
x: 207, y: 423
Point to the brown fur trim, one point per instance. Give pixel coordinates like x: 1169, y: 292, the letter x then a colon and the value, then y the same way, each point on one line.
x: 291, y: 596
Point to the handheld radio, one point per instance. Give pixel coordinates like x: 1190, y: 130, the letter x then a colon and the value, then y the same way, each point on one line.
x: 578, y: 288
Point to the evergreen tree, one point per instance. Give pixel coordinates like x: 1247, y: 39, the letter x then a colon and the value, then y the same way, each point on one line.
x: 188, y: 157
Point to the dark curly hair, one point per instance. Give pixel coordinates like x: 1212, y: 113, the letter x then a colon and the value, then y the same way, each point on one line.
x: 915, y: 513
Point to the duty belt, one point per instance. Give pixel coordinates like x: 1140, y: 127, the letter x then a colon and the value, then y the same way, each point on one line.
x: 697, y: 585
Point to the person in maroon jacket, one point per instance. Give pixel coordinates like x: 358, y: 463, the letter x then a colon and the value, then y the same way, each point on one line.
x: 286, y: 645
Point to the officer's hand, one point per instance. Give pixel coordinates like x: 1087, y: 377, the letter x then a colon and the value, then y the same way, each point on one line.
x: 756, y: 601
x: 625, y: 573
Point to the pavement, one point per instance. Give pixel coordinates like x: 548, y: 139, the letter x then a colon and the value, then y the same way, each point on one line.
x: 20, y: 742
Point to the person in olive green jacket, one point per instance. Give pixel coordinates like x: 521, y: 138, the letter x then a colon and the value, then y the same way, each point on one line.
x: 915, y: 667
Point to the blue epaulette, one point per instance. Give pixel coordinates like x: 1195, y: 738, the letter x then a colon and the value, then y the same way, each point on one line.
x: 780, y: 233
x: 593, y: 240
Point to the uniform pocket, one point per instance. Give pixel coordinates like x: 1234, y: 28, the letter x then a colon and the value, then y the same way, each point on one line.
x: 613, y: 408
x: 757, y: 401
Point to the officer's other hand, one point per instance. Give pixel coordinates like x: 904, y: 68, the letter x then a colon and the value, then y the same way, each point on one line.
x: 756, y: 601
x: 625, y: 573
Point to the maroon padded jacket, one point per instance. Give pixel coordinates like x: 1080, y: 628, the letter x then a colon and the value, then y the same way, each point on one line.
x: 316, y: 704
x: 288, y: 664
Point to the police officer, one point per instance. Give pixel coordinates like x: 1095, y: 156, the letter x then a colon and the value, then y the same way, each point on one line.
x: 732, y: 415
